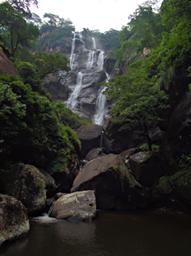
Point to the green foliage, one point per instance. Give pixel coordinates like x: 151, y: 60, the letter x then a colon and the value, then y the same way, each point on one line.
x: 138, y: 100
x: 67, y: 117
x: 56, y: 33
x: 143, y: 31
x: 23, y: 6
x: 49, y: 62
x: 15, y: 32
x: 178, y: 185
x: 30, y: 129
x: 153, y: 82
x: 37, y: 65
x: 28, y: 72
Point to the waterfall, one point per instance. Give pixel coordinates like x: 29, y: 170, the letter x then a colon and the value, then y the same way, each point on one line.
x: 107, y: 77
x: 72, y: 100
x: 87, y: 66
x: 90, y: 61
x: 100, y: 60
x: 100, y: 107
x: 91, y: 55
x: 94, y: 43
x: 72, y: 55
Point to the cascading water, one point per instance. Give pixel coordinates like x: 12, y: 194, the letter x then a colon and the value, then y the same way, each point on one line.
x: 91, y: 55
x: 101, y: 104
x: 100, y: 107
x: 88, y: 64
x: 94, y: 43
x: 100, y: 60
x: 72, y: 100
x: 72, y: 55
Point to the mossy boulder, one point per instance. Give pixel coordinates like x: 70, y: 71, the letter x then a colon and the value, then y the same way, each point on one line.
x: 13, y: 218
x: 27, y: 184
x: 176, y: 187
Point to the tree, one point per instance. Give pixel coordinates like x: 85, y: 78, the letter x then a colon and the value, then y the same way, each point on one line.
x: 23, y: 6
x: 15, y: 31
x: 31, y: 131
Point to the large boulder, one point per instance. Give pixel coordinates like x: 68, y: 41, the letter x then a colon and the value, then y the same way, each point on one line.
x: 147, y: 167
x: 175, y: 188
x: 178, y: 137
x: 13, y: 218
x: 26, y: 183
x: 6, y: 66
x: 114, y: 186
x: 90, y: 137
x: 119, y: 136
x: 78, y: 205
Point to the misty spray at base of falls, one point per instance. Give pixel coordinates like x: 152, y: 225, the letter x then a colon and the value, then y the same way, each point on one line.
x: 87, y: 98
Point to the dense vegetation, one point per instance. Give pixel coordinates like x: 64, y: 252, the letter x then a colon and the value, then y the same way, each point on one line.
x: 154, y: 64
x: 33, y: 129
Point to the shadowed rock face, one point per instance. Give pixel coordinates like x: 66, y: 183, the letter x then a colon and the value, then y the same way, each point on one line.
x: 13, y: 218
x: 6, y: 66
x: 114, y: 185
x: 90, y: 137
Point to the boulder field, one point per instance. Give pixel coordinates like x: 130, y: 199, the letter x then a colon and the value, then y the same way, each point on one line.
x: 132, y: 179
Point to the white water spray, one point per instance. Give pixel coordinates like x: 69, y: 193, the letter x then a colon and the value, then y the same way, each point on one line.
x: 72, y: 100
x: 100, y: 107
x: 72, y: 55
x: 100, y: 61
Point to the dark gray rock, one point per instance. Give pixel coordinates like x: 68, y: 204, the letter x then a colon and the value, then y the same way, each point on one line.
x: 14, y: 221
x: 90, y: 137
x: 26, y: 183
x: 114, y: 185
x: 147, y: 167
x: 55, y: 84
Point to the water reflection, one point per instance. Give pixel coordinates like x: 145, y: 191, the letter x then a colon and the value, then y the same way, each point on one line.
x: 110, y: 235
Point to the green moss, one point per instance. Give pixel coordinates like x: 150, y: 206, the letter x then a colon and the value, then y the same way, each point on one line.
x: 178, y: 185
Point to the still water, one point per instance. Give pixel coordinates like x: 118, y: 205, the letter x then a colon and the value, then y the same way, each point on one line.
x: 111, y: 234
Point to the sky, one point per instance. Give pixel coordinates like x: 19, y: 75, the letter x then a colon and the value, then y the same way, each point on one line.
x: 92, y: 14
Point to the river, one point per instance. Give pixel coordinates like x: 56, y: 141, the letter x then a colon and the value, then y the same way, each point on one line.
x: 111, y: 234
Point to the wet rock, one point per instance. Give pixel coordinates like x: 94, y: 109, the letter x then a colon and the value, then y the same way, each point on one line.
x: 114, y: 185
x: 90, y: 137
x: 79, y: 205
x: 147, y: 167
x: 25, y: 182
x: 55, y: 84
x: 94, y: 153
x: 109, y: 65
x: 13, y: 218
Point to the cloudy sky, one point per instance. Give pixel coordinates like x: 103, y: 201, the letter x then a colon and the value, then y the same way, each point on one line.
x: 93, y: 14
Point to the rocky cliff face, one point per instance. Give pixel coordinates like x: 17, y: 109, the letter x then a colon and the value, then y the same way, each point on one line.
x: 79, y: 87
x: 6, y: 66
x: 87, y: 69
